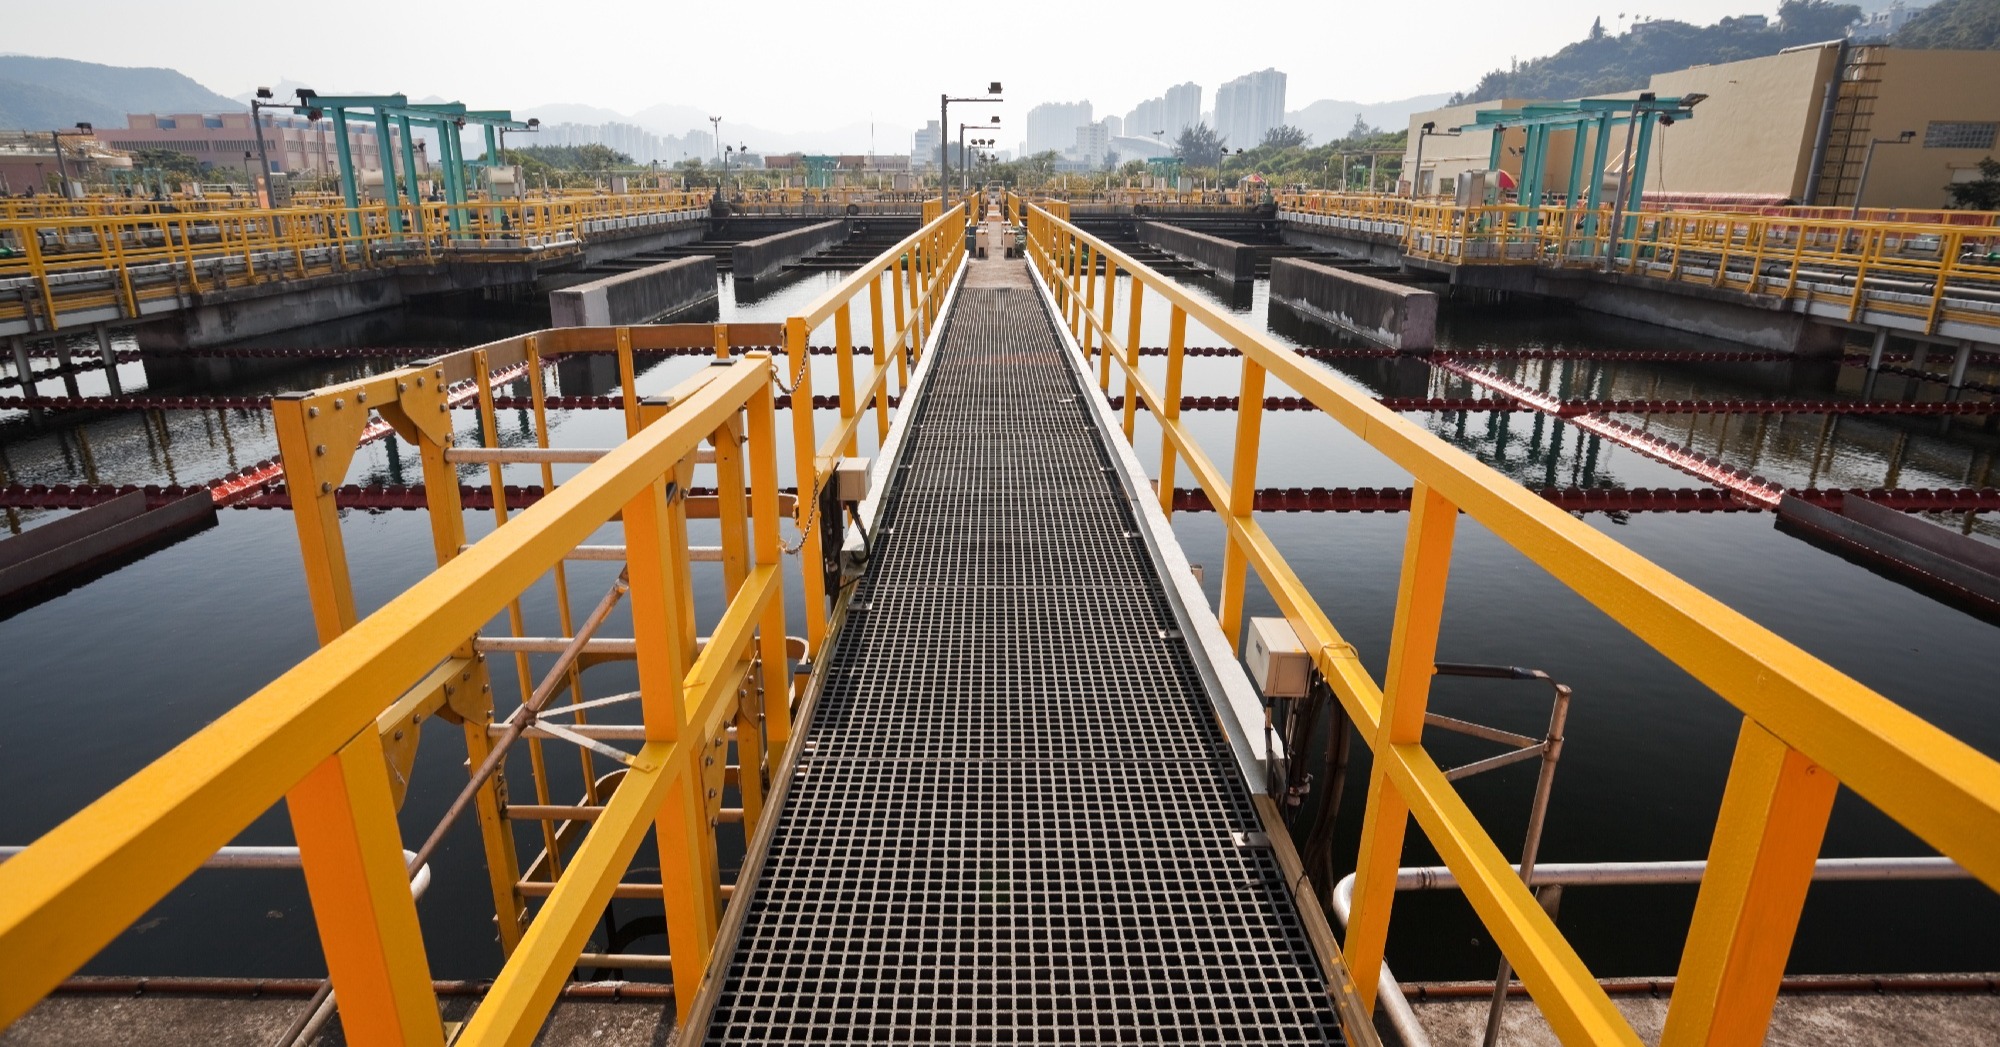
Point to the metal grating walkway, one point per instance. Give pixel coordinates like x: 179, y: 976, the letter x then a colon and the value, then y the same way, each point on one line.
x: 1013, y: 820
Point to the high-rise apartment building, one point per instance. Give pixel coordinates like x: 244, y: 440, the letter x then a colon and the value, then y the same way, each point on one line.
x: 1169, y: 114
x: 1248, y: 107
x: 1052, y: 126
x: 924, y: 150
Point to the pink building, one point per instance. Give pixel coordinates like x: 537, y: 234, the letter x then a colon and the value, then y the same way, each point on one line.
x: 294, y: 144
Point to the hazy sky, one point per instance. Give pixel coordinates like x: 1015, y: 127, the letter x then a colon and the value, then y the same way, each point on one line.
x: 791, y: 66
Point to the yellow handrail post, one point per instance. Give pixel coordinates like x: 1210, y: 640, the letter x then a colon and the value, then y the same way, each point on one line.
x: 352, y: 852
x: 1948, y: 252
x: 1137, y: 309
x: 843, y: 347
x: 1242, y: 496
x: 762, y: 425
x: 1105, y: 322
x: 733, y: 514
x: 1405, y: 698
x: 879, y: 349
x: 806, y: 464
x: 422, y: 410
x: 1767, y: 837
x: 918, y: 328
x: 628, y: 380
x: 657, y: 569
x: 315, y: 446
x: 1086, y: 316
x: 902, y: 326
x: 1171, y: 409
x: 31, y: 240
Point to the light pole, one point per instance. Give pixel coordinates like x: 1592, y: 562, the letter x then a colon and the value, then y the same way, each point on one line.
x: 715, y: 134
x: 1868, y: 161
x: 534, y: 124
x: 944, y: 121
x: 962, y: 175
x: 257, y: 105
x: 62, y: 166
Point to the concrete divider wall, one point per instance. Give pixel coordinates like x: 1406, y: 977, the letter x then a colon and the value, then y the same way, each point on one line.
x: 637, y: 296
x: 1397, y: 316
x: 1227, y: 259
x: 757, y: 259
x: 79, y: 543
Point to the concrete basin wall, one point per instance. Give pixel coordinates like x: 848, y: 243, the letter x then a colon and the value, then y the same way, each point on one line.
x: 1392, y: 314
x: 757, y: 259
x: 1227, y: 259
x: 637, y: 296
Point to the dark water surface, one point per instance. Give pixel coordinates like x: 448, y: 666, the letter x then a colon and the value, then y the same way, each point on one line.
x: 103, y: 679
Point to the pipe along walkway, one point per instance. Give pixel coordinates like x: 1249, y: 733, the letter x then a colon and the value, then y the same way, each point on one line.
x: 1016, y: 817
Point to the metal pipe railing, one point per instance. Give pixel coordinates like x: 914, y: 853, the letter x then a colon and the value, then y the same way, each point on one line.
x: 1403, y: 1018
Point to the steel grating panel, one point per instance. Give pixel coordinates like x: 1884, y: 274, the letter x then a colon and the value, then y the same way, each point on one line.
x: 1016, y: 818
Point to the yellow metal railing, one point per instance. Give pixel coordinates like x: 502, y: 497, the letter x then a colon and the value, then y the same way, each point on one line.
x: 194, y: 252
x: 1807, y: 729
x: 335, y: 737
x: 917, y: 271
x: 1798, y: 254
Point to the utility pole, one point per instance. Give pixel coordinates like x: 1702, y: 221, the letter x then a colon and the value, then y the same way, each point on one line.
x: 62, y: 168
x: 264, y: 158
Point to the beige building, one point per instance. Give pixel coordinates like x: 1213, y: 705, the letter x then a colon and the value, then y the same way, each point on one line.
x: 1771, y: 130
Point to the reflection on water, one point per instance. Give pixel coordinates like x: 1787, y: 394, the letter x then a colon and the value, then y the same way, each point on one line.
x: 106, y: 677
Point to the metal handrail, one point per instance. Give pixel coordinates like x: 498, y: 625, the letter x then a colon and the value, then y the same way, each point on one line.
x: 1949, y: 261
x: 1807, y: 727
x: 1403, y: 1017
x: 311, y: 737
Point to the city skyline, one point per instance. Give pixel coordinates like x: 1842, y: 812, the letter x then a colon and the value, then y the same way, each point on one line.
x: 212, y: 42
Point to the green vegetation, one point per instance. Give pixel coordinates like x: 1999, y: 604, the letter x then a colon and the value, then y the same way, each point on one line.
x: 1286, y: 159
x: 1198, y: 146
x: 1982, y: 194
x: 1285, y: 136
x: 567, y: 166
x: 1965, y: 25
x: 1602, y: 63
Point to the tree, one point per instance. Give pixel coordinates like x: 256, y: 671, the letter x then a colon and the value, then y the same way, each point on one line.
x: 1361, y: 129
x: 1818, y: 19
x: 1037, y: 169
x: 1597, y: 28
x: 1603, y: 64
x: 1198, y: 146
x: 171, y: 161
x: 1961, y: 25
x: 1982, y: 194
x: 1285, y: 136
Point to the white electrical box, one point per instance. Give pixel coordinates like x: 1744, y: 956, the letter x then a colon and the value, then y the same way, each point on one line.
x: 850, y: 479
x: 1277, y: 659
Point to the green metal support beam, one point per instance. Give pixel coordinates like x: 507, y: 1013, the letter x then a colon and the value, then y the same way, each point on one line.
x: 347, y: 187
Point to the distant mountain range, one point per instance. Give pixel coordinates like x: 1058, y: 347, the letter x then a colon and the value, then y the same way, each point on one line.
x: 38, y: 93
x: 1329, y: 120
